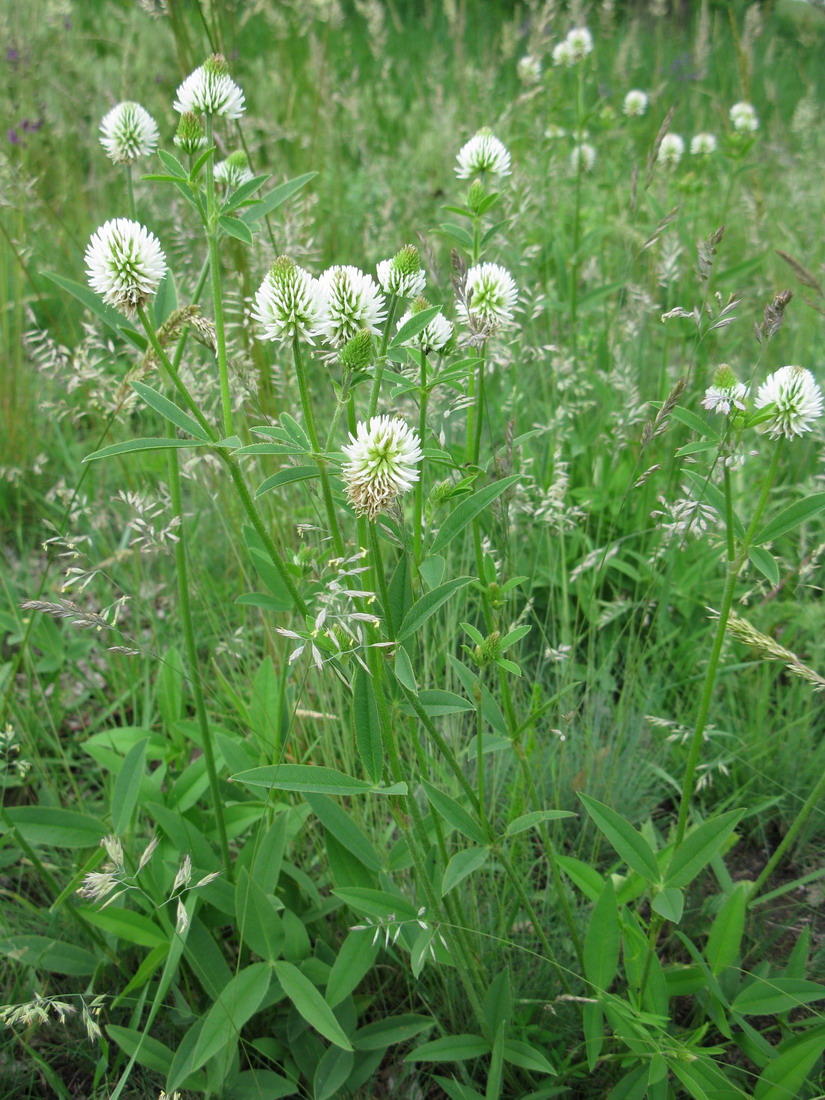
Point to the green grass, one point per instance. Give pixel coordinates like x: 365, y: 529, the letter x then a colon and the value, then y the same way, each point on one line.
x: 377, y: 100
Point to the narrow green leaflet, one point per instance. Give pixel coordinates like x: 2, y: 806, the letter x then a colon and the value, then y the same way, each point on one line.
x: 461, y: 865
x: 355, y: 958
x: 768, y: 996
x: 467, y: 511
x: 417, y: 323
x: 45, y: 953
x: 669, y: 903
x: 169, y: 410
x: 234, y: 227
x: 109, y: 316
x: 601, y: 944
x: 536, y: 817
x: 49, y: 825
x: 127, y: 925
x: 285, y: 477
x: 127, y: 787
x: 276, y: 197
x: 133, y: 446
x: 310, y: 1004
x: 367, y: 726
x: 525, y: 1056
x: 631, y: 845
x: 699, y: 847
x: 790, y: 517
x: 783, y: 1078
x: 725, y: 939
x: 454, y: 813
x: 452, y: 1048
x: 394, y: 1029
x: 342, y: 826
x: 766, y: 563
x: 236, y: 1003
x: 308, y: 777
x: 428, y: 604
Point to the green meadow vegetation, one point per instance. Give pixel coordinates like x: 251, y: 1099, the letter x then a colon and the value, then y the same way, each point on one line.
x: 412, y: 643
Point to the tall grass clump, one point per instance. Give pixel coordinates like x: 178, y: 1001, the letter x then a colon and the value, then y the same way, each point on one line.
x: 411, y: 668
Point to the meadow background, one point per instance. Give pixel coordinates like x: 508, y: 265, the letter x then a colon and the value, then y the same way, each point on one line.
x: 617, y: 568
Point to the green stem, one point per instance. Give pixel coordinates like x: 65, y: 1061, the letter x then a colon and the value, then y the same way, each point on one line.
x: 813, y: 801
x: 130, y: 191
x: 418, y: 496
x: 381, y: 362
x: 380, y: 578
x: 215, y: 272
x: 320, y: 461
x: 479, y: 411
x: 192, y: 658
x: 734, y: 566
x: 339, y: 408
x: 220, y: 334
x: 175, y: 377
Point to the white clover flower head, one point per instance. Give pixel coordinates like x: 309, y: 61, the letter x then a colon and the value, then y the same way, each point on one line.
x: 191, y: 136
x: 563, y: 54
x: 671, y: 150
x: 726, y: 393
x: 553, y: 132
x: 580, y: 41
x: 352, y: 302
x: 210, y: 90
x: 583, y: 158
x: 403, y: 274
x: 529, y: 69
x: 289, y: 303
x: 744, y: 118
x: 797, y: 398
x: 233, y: 171
x: 125, y: 264
x: 483, y: 154
x: 635, y: 103
x: 703, y: 145
x: 383, y: 458
x: 435, y: 334
x: 491, y: 294
x: 129, y: 132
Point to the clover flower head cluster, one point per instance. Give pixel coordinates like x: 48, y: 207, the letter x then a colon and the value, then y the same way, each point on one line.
x: 635, y: 103
x: 383, y: 459
x: 352, y: 302
x: 435, y: 334
x: 583, y: 158
x: 726, y: 393
x: 797, y: 399
x: 574, y: 48
x: 529, y: 69
x: 210, y: 90
x: 128, y: 132
x: 744, y: 118
x: 233, y: 171
x: 671, y: 150
x: 483, y: 154
x: 289, y: 302
x: 491, y: 294
x: 403, y: 274
x: 125, y: 264
x: 703, y: 145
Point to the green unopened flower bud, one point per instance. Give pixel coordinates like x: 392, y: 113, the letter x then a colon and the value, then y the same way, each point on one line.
x: 357, y: 354
x: 233, y: 171
x: 724, y: 377
x: 191, y: 136
x: 406, y: 260
x: 216, y: 65
x: 476, y: 196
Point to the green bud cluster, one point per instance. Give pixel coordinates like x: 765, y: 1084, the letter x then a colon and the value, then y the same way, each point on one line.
x: 476, y: 196
x: 358, y: 352
x: 406, y: 261
x: 724, y: 377
x: 216, y: 65
x: 191, y: 136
